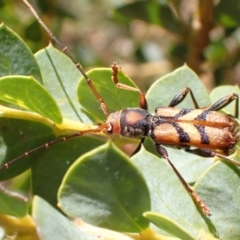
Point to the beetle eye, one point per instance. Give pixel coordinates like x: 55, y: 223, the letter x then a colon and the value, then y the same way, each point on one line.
x: 109, y: 128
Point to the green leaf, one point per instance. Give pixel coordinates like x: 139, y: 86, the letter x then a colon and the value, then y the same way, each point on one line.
x: 219, y: 188
x: 162, y: 91
x: 27, y: 93
x: 54, y: 164
x: 60, y: 78
x: 17, y: 137
x: 115, y: 98
x: 154, y: 12
x: 168, y: 225
x: 15, y: 57
x: 105, y: 189
x: 12, y: 203
x: 168, y: 196
x: 53, y: 225
x: 190, y: 166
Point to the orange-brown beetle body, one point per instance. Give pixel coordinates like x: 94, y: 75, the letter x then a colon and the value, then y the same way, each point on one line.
x: 195, y: 127
x: 181, y: 128
x: 204, y: 132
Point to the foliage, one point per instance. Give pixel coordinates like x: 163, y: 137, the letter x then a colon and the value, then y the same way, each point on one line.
x: 101, y: 191
x: 89, y: 178
x: 156, y: 36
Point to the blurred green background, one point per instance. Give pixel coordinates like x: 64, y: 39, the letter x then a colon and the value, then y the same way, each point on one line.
x: 147, y: 38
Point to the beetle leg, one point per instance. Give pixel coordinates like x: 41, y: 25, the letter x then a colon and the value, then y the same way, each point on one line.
x: 221, y: 103
x: 142, y: 98
x: 163, y: 152
x: 181, y: 96
x: 208, y: 153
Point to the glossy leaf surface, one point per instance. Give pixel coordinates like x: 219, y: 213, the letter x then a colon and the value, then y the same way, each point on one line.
x: 17, y: 137
x: 105, y: 189
x: 54, y: 164
x: 168, y: 196
x: 27, y: 93
x: 168, y: 225
x: 60, y: 78
x: 219, y: 188
x: 15, y: 57
x: 115, y: 98
x: 162, y: 91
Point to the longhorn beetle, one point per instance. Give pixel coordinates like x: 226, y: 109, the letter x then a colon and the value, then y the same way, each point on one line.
x: 204, y: 132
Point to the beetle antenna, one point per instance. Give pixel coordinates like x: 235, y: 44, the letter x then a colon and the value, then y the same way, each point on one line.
x: 64, y: 49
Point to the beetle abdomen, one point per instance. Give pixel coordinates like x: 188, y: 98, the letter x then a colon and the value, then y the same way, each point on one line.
x: 194, y: 127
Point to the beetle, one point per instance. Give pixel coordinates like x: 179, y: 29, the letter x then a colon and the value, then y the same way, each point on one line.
x: 201, y: 131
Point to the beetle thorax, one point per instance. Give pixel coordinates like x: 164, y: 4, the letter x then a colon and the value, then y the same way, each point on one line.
x: 130, y: 122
